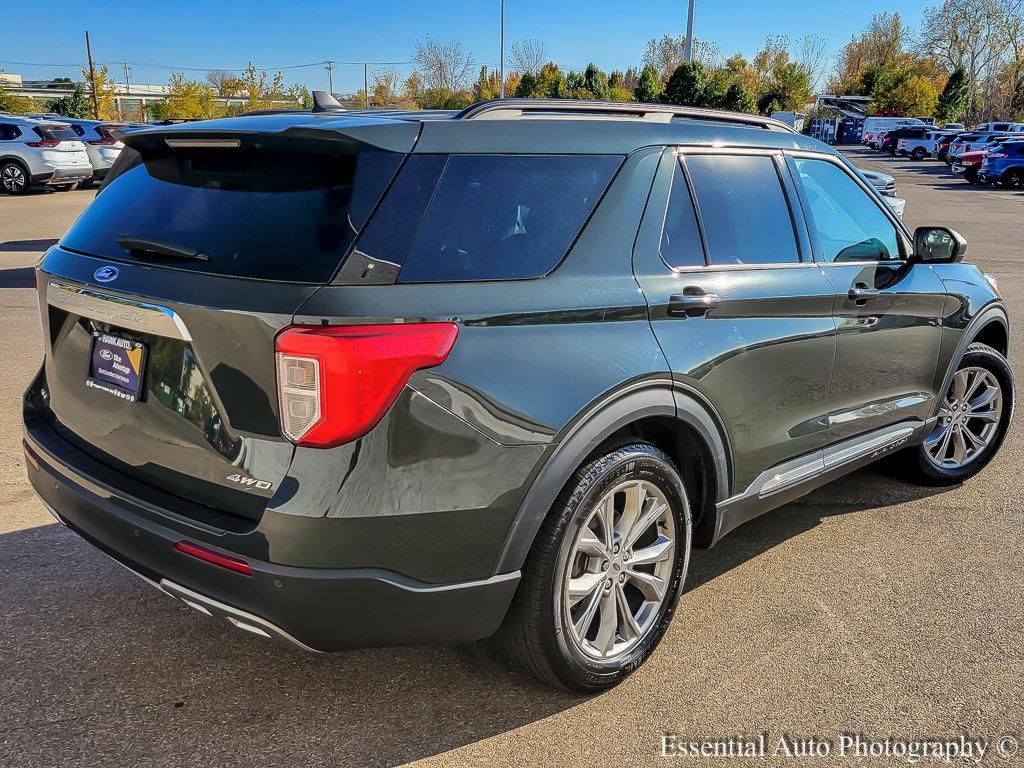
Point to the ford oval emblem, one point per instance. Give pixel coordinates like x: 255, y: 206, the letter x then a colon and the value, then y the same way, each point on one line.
x: 106, y: 274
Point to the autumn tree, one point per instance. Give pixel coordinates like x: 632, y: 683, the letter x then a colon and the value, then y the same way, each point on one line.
x: 527, y: 56
x: 16, y: 105
x: 190, y: 99
x: 103, y: 87
x: 224, y: 83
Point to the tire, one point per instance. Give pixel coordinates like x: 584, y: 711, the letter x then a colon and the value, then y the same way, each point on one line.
x: 14, y: 179
x: 538, y: 632
x: 919, y: 153
x: 924, y: 464
x: 1013, y: 178
x: 66, y: 187
x: 971, y: 175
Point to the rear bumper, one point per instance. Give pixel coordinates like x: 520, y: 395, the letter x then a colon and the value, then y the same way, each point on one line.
x: 314, y: 608
x: 62, y: 176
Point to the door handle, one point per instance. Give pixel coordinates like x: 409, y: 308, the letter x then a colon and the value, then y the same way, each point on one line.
x: 860, y: 293
x: 693, y: 302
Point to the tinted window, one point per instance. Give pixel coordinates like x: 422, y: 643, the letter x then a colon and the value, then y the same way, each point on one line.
x: 9, y: 132
x: 744, y: 211
x: 273, y: 214
x: 56, y: 133
x: 505, y: 217
x: 849, y: 224
x: 78, y: 129
x: 680, y: 238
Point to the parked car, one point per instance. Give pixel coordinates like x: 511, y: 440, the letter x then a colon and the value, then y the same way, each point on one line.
x: 100, y: 142
x: 968, y: 164
x: 954, y: 127
x: 920, y: 146
x: 890, y: 141
x: 1004, y: 165
x: 985, y: 141
x: 886, y: 186
x: 942, y: 147
x: 961, y: 143
x: 874, y: 127
x: 36, y: 152
x: 1001, y: 127
x: 383, y: 378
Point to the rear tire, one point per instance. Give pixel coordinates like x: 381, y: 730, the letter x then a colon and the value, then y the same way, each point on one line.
x: 14, y: 179
x: 1013, y: 179
x: 919, y: 153
x: 565, y: 626
x: 974, y: 417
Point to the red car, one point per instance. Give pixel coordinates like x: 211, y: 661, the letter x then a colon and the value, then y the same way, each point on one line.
x: 968, y: 164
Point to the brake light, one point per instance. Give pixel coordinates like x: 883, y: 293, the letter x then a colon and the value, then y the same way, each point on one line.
x: 335, y: 383
x: 212, y: 556
x: 49, y: 144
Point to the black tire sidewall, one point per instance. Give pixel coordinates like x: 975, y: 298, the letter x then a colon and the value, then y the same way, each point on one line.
x: 24, y: 172
x: 642, y: 462
x: 987, y: 358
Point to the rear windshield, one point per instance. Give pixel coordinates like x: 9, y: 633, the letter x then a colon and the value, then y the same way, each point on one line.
x: 257, y: 213
x: 483, y: 217
x: 56, y: 133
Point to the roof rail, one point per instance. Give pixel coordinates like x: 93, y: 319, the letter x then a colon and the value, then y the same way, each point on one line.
x: 505, y: 109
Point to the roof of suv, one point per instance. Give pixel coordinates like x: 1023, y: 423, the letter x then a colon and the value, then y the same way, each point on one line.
x: 543, y: 125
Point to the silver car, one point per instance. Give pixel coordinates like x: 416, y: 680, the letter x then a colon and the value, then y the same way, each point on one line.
x: 886, y: 186
x: 100, y: 143
x: 40, y: 152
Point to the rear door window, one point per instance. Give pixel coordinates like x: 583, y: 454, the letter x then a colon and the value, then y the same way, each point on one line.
x: 743, y: 208
x: 504, y: 217
x: 268, y: 213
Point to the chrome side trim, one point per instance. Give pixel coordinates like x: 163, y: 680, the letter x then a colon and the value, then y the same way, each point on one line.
x: 238, y: 618
x: 843, y: 453
x: 128, y: 313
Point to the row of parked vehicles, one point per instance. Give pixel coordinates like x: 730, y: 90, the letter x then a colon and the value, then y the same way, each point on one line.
x: 58, y: 152
x: 993, y: 153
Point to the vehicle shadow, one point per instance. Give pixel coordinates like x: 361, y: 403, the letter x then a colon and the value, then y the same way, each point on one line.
x: 103, y: 664
x: 18, y: 277
x: 22, y: 246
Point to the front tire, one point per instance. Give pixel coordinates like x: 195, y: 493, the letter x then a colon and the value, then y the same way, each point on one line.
x: 600, y: 585
x: 973, y: 419
x: 14, y: 179
x: 919, y: 153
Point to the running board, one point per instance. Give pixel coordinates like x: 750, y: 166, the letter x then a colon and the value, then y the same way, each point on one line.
x: 792, y: 479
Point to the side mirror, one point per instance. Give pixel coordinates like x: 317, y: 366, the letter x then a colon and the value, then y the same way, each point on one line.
x: 938, y: 245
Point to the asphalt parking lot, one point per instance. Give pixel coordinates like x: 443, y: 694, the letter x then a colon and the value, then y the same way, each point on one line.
x: 871, y: 606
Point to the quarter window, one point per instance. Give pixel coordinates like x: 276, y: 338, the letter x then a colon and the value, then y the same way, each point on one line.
x: 849, y: 225
x: 680, y: 238
x: 743, y: 209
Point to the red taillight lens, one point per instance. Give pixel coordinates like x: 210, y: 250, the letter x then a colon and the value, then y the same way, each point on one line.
x: 334, y: 383
x: 44, y: 144
x: 212, y: 556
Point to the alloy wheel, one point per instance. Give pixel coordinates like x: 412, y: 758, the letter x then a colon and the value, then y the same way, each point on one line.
x: 968, y: 419
x: 618, y: 570
x: 12, y: 178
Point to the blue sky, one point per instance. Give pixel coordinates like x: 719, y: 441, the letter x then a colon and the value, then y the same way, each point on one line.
x: 189, y: 33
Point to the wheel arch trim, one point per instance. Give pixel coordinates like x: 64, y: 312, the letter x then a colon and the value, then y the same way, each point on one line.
x: 992, y: 313
x: 646, y: 399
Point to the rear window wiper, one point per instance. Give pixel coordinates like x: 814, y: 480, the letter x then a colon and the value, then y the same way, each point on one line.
x: 149, y: 247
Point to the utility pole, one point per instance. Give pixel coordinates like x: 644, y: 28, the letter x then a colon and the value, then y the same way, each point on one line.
x: 501, y: 62
x: 688, y: 53
x: 329, y: 66
x: 366, y: 87
x: 126, y: 67
x: 92, y: 78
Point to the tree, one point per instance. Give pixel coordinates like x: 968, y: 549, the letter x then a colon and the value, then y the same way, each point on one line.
x: 16, y: 105
x: 224, y: 83
x: 595, y: 84
x: 103, y: 87
x: 790, y: 86
x: 666, y: 53
x: 649, y: 86
x: 386, y: 93
x: 527, y: 56
x: 190, y: 99
x: 62, y: 82
x: 738, y: 99
x: 689, y: 85
x: 487, y: 85
x: 954, y: 100
x: 442, y: 67
x: 75, y: 104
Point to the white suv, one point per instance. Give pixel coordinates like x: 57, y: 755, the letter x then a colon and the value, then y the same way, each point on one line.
x: 34, y: 152
x: 100, y: 143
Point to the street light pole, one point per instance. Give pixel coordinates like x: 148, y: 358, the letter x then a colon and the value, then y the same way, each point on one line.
x: 688, y: 53
x: 501, y: 65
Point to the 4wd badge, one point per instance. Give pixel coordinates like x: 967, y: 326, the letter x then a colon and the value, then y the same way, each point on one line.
x: 250, y: 482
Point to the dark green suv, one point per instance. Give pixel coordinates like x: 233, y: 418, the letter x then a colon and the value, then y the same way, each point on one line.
x: 359, y: 378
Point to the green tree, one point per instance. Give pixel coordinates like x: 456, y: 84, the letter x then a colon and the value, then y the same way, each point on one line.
x: 739, y: 99
x: 62, y: 82
x: 954, y: 99
x: 75, y: 104
x: 649, y: 86
x: 689, y: 85
x: 596, y: 83
x: 527, y: 88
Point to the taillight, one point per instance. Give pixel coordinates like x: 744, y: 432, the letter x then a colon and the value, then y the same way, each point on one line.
x: 46, y: 144
x: 335, y: 383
